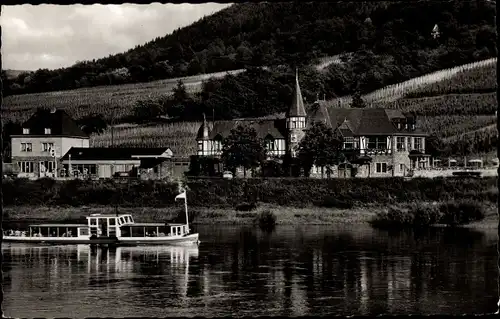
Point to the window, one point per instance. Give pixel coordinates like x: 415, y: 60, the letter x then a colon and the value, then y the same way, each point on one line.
x: 26, y: 167
x: 200, y: 145
x: 85, y: 168
x: 26, y: 130
x: 349, y: 143
x: 401, y: 167
x: 217, y: 146
x: 47, y: 147
x: 270, y: 144
x: 26, y: 147
x: 381, y: 167
x: 418, y: 143
x: 93, y: 221
x: 47, y: 166
x: 409, y: 144
x: 47, y: 130
x: 377, y: 142
x: 294, y: 124
x: 400, y: 143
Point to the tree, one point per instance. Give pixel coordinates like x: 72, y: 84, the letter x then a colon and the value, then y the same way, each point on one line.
x: 434, y: 146
x: 147, y: 110
x: 243, y: 148
x: 93, y: 123
x: 357, y: 100
x: 180, y: 94
x: 320, y: 147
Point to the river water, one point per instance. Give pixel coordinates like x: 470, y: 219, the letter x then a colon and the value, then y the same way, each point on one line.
x: 240, y: 271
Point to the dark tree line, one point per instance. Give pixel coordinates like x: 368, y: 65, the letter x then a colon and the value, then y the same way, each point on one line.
x: 296, y: 33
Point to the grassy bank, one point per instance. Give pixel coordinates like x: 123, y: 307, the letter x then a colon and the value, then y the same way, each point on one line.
x: 218, y: 193
x: 197, y: 215
x: 202, y: 215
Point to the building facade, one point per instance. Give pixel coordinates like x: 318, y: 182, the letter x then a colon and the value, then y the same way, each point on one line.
x: 103, y: 162
x: 377, y: 142
x: 46, y: 136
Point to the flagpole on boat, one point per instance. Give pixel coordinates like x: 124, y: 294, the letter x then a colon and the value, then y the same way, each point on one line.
x: 183, y: 195
x: 186, y: 209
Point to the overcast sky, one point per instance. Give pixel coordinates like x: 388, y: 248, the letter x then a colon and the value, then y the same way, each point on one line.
x: 54, y: 36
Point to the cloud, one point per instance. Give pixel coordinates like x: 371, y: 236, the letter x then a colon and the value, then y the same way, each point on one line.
x: 54, y: 36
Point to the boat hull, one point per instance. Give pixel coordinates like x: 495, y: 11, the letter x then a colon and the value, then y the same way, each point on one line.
x: 116, y: 241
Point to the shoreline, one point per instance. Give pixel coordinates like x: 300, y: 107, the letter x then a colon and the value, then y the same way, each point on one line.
x: 228, y: 216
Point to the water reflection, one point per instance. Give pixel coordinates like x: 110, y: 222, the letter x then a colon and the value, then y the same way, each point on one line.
x: 241, y: 271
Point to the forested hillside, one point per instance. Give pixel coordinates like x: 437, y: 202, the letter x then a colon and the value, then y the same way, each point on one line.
x: 389, y: 42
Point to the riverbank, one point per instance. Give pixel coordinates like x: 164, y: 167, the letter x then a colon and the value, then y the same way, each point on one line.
x: 207, y: 216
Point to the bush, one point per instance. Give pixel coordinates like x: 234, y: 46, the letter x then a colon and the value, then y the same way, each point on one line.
x: 413, y: 215
x: 333, y: 202
x: 266, y: 220
x: 462, y: 212
x: 246, y: 207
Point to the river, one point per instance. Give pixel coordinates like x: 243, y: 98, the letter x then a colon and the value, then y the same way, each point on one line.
x: 242, y: 271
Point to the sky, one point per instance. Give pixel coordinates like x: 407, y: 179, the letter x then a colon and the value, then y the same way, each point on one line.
x: 55, y: 36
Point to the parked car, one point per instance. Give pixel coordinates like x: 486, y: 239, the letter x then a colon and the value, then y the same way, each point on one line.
x: 227, y: 174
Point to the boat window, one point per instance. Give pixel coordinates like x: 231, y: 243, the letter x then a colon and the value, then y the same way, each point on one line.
x: 125, y: 231
x: 137, y: 231
x: 93, y: 221
x: 122, y: 220
x: 112, y: 222
x: 126, y: 219
x: 84, y: 231
x: 45, y: 231
x: 131, y: 219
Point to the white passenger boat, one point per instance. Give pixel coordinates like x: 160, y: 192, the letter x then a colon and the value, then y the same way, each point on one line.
x: 110, y: 229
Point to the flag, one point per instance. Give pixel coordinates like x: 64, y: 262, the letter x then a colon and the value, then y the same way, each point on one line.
x: 181, y: 195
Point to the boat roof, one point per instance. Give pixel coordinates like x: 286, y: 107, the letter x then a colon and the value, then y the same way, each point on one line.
x: 108, y: 215
x: 176, y: 224
x: 58, y: 225
x: 146, y: 224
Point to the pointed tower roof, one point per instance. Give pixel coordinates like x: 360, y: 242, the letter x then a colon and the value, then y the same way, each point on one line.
x: 297, y: 108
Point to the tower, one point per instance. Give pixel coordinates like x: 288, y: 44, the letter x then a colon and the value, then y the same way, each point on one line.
x: 203, y: 138
x: 296, y: 118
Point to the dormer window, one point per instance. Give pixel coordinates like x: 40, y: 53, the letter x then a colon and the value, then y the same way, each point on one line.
x: 47, y: 130
x: 26, y: 130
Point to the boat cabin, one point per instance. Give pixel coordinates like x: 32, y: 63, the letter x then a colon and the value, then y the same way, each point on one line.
x: 123, y: 225
x: 58, y: 230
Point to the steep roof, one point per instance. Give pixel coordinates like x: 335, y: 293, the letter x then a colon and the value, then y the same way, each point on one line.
x: 274, y: 127
x: 297, y: 107
x: 112, y: 153
x: 59, y: 122
x: 360, y: 121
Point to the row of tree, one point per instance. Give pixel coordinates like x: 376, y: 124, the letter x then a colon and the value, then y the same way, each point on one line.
x: 293, y: 33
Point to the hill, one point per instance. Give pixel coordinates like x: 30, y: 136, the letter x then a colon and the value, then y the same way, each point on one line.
x: 12, y: 74
x: 295, y: 33
x: 465, y: 123
x: 114, y: 102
